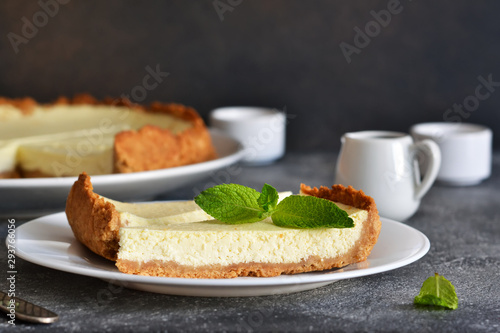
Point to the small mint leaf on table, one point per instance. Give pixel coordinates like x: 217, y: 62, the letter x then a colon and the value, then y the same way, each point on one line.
x: 268, y: 198
x: 437, y: 291
x: 232, y: 203
x: 299, y: 211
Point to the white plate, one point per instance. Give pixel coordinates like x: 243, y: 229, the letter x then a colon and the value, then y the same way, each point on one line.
x: 48, y: 241
x: 39, y: 196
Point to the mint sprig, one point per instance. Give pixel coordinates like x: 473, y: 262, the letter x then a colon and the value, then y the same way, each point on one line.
x: 437, y: 291
x: 237, y: 204
x: 232, y: 203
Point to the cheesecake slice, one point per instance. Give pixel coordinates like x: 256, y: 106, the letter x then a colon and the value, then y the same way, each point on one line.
x: 145, y: 239
x: 70, y: 136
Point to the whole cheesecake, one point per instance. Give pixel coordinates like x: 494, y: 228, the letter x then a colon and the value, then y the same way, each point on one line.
x: 70, y: 136
x: 172, y: 240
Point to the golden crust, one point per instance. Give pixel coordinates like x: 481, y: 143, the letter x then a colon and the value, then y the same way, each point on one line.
x: 25, y: 104
x: 149, y: 148
x: 96, y: 223
x: 355, y: 198
x: 257, y: 269
x: 9, y: 174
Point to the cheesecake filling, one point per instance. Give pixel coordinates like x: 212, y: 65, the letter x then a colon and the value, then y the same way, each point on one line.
x: 157, y: 214
x: 67, y: 157
x: 107, y: 119
x: 163, y: 213
x: 209, y: 243
x: 64, y: 140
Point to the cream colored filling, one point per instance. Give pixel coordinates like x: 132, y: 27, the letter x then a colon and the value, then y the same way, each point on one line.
x: 163, y: 213
x: 64, y: 140
x: 213, y: 242
x: 148, y: 214
x: 68, y: 157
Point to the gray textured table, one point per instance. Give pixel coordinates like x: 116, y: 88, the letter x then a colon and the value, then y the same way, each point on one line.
x: 463, y: 225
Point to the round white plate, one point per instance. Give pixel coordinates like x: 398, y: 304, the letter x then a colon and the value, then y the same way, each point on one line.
x: 39, y: 196
x: 48, y: 241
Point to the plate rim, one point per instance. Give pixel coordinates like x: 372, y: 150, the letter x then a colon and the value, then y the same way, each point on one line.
x: 248, y: 282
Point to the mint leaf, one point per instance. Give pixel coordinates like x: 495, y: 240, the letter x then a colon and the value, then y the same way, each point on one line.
x: 310, y: 212
x: 437, y: 291
x: 268, y: 199
x: 232, y: 203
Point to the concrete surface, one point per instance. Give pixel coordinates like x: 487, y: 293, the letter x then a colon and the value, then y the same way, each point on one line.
x: 462, y: 223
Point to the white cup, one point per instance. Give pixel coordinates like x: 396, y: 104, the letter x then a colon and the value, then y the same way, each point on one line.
x: 465, y: 149
x: 260, y: 130
x: 384, y: 165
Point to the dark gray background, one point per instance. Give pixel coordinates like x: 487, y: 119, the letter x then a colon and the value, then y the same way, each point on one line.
x: 270, y: 53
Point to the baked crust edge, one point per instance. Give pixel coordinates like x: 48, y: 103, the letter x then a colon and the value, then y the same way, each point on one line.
x: 94, y: 221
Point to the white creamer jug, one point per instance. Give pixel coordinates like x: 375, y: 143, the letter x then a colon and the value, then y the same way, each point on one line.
x: 385, y: 166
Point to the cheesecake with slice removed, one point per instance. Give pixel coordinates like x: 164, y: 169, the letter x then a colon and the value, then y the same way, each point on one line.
x: 70, y: 136
x: 143, y: 241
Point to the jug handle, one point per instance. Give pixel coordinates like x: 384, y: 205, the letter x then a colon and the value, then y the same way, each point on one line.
x: 433, y: 154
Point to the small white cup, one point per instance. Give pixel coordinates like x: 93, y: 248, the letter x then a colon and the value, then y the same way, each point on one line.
x: 260, y: 130
x: 465, y: 149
